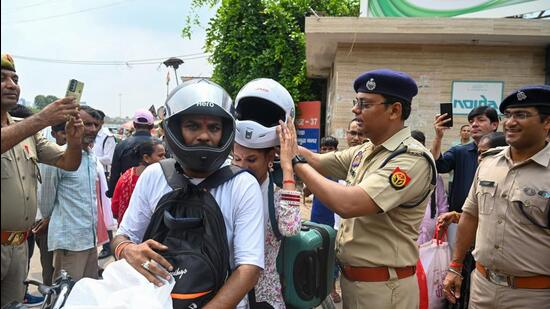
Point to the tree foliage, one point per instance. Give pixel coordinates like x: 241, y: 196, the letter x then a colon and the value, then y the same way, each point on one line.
x: 40, y: 101
x: 248, y: 39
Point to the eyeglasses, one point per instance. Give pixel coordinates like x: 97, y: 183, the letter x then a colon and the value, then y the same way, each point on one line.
x: 355, y: 133
x: 521, y: 115
x: 362, y: 104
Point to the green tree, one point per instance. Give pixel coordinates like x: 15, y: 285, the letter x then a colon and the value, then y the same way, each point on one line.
x: 248, y: 39
x: 40, y: 101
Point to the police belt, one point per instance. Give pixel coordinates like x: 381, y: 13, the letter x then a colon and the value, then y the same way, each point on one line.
x: 534, y: 282
x: 376, y: 274
x: 10, y: 238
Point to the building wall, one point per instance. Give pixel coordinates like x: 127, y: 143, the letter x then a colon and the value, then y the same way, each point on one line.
x: 434, y: 67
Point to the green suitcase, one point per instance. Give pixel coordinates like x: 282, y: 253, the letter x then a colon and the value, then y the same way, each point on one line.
x: 306, y: 265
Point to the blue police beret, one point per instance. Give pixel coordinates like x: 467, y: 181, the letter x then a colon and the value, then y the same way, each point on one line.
x: 387, y: 82
x: 527, y: 96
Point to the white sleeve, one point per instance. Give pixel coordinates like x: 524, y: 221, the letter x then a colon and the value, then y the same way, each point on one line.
x: 150, y: 187
x: 248, y: 239
x: 108, y: 150
x: 337, y: 220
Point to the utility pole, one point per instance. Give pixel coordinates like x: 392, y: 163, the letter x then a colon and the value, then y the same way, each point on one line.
x: 174, y: 63
x: 120, y: 105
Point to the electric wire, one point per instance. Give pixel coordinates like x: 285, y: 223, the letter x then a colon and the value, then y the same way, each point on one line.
x: 23, y: 21
x: 111, y: 62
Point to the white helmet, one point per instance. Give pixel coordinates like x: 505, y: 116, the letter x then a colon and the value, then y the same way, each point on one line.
x: 253, y: 135
x: 259, y: 106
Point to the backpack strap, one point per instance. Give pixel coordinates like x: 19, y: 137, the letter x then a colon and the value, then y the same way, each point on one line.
x: 175, y: 179
x: 105, y: 140
x: 271, y: 208
x: 221, y: 176
x: 433, y: 181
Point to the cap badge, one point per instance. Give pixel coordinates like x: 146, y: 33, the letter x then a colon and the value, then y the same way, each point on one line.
x: 248, y: 134
x: 371, y: 84
x: 521, y: 96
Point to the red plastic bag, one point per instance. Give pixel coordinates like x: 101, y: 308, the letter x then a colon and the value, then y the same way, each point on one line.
x: 422, y: 285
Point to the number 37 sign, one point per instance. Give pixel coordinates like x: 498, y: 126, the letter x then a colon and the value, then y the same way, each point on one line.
x: 308, y: 124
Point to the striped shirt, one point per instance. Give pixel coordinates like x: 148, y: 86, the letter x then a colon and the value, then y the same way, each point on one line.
x: 69, y: 199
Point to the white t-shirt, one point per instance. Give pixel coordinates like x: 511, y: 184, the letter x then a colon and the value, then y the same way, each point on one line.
x: 240, y: 201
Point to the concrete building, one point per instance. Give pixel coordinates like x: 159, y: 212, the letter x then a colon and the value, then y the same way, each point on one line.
x: 439, y: 53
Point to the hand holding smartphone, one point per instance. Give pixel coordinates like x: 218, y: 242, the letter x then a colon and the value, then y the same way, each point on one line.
x: 447, y: 108
x: 75, y: 90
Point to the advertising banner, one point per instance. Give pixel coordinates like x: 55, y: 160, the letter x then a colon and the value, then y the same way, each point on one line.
x: 308, y: 124
x: 467, y: 95
x: 449, y: 8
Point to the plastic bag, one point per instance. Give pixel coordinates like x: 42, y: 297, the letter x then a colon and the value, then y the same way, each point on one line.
x: 122, y: 287
x: 435, y: 257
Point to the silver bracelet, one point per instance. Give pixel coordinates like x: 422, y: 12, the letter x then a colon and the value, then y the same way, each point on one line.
x: 455, y: 272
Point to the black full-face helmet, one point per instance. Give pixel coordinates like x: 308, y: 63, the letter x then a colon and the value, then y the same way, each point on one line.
x: 199, y: 97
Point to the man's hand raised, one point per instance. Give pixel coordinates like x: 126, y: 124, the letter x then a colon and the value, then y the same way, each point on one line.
x: 439, y: 125
x: 58, y: 111
x: 74, y: 129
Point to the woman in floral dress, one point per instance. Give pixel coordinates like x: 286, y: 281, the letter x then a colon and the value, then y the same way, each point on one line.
x: 287, y: 202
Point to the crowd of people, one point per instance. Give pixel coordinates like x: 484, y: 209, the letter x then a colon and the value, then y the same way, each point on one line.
x: 82, y: 190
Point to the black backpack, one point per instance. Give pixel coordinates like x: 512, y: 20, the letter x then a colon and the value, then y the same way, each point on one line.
x: 189, y: 221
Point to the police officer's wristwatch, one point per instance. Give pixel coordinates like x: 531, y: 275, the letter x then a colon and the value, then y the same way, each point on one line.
x: 298, y: 159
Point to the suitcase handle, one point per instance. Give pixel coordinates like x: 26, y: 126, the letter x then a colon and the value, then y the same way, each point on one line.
x: 306, y: 289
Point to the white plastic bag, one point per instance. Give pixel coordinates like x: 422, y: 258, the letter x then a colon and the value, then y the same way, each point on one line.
x: 435, y: 257
x: 122, y: 287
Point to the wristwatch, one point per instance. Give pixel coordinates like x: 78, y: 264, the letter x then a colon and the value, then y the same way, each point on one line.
x: 298, y: 159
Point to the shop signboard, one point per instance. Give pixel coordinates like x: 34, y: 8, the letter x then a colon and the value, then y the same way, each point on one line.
x: 467, y: 95
x: 308, y: 124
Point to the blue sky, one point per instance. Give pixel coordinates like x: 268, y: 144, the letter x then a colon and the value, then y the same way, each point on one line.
x: 106, y: 30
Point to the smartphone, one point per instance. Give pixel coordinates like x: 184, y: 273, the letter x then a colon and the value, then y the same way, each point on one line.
x: 75, y: 89
x: 447, y: 108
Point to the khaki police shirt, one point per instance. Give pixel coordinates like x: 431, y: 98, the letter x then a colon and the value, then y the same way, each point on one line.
x: 506, y: 240
x: 388, y: 238
x: 20, y: 177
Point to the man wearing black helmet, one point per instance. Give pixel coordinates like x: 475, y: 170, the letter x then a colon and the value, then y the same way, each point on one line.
x: 200, y: 131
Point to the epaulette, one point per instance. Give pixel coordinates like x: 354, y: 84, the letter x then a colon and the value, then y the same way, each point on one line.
x: 493, y: 151
x: 415, y: 149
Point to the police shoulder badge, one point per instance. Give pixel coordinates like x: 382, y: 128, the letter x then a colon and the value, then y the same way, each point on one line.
x: 399, y: 179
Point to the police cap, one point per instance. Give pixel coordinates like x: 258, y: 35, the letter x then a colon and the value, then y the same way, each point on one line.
x: 528, y: 96
x: 387, y: 82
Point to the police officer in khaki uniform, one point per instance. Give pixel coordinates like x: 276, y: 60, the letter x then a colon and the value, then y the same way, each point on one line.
x: 508, y: 212
x: 22, y: 147
x: 384, y: 201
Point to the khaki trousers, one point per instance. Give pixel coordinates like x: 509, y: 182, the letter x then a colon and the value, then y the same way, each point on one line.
x: 78, y: 264
x: 485, y: 294
x: 394, y: 294
x: 46, y: 257
x: 14, y: 272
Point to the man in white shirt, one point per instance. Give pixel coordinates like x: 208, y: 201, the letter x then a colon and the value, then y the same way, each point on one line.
x: 104, y: 145
x: 200, y: 130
